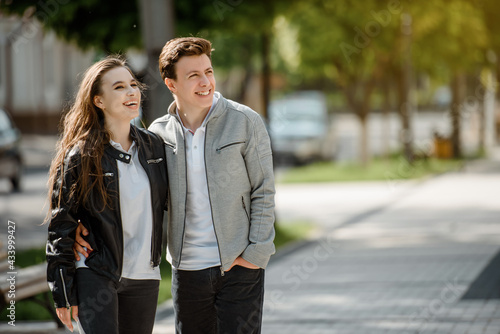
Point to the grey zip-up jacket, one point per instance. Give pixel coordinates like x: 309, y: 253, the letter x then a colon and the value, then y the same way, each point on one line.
x: 240, y: 178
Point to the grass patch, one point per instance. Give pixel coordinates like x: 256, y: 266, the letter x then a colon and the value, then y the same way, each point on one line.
x: 165, y: 292
x: 30, y: 309
x: 291, y: 231
x: 29, y: 257
x: 394, y: 168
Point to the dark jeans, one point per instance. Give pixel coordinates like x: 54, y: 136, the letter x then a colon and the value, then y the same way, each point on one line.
x: 108, y: 307
x: 207, y: 302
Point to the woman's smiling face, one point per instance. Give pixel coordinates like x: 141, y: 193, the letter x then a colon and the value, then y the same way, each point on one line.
x: 120, y: 96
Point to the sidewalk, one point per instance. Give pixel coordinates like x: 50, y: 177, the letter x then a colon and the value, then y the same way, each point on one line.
x: 406, y: 257
x: 418, y: 258
x: 408, y: 268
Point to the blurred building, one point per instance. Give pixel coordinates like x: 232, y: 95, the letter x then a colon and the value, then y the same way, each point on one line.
x: 39, y: 74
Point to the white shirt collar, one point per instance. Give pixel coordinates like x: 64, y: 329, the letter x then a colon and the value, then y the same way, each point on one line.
x: 202, y: 127
x: 119, y: 147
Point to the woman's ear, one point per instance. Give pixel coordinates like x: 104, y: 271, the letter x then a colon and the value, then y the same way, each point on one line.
x: 98, y: 102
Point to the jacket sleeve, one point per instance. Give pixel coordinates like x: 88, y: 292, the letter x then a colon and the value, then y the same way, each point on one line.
x: 259, y: 162
x: 61, y: 236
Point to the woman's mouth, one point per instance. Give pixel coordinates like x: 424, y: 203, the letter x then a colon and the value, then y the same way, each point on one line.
x: 131, y: 104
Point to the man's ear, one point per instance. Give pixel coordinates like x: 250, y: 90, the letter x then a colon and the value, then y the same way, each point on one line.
x: 170, y: 83
x: 98, y: 102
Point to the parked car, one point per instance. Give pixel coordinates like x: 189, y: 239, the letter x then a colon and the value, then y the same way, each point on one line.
x: 10, y: 152
x: 298, y: 125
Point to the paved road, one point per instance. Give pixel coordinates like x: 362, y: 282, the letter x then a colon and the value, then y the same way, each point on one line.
x: 26, y: 209
x: 410, y: 267
x: 418, y: 258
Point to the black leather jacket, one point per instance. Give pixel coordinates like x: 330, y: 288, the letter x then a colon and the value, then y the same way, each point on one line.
x: 105, y: 226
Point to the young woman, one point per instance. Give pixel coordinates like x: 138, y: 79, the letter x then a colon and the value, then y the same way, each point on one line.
x: 111, y: 177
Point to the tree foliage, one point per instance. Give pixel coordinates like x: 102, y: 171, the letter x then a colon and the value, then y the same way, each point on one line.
x: 111, y: 26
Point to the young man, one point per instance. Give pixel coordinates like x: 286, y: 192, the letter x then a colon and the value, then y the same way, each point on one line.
x: 221, y: 209
x: 221, y: 198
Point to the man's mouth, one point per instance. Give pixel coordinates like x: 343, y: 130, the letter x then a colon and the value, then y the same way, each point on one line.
x: 204, y: 93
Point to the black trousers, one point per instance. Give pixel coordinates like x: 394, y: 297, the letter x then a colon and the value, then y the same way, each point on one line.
x: 207, y: 302
x: 107, y: 307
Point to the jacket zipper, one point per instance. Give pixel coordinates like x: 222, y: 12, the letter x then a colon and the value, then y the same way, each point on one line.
x: 245, y: 208
x: 153, y: 230
x: 209, y: 200
x: 108, y: 174
x: 154, y: 161
x: 185, y: 199
x: 230, y: 144
x: 121, y: 223
x: 68, y: 305
x: 171, y: 146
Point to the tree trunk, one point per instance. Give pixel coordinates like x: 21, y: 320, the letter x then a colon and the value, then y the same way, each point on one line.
x: 458, y: 93
x: 386, y: 129
x: 405, y: 87
x: 497, y: 75
x: 482, y: 126
x: 489, y: 136
x: 157, y: 28
x: 247, y: 76
x: 363, y: 148
x: 9, y: 79
x: 266, y: 73
x: 406, y: 136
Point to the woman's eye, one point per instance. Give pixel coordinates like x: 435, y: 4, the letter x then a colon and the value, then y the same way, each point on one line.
x: 134, y: 85
x: 118, y: 87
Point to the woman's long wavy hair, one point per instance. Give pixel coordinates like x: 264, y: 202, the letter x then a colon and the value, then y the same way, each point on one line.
x: 83, y: 127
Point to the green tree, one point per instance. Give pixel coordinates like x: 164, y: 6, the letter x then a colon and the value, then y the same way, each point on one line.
x: 352, y: 44
x: 451, y: 34
x: 369, y: 44
x: 111, y: 26
x: 241, y: 32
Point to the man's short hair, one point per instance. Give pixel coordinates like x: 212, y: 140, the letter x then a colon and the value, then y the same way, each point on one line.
x: 177, y: 48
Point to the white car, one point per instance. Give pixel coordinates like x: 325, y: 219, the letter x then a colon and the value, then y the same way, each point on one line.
x: 10, y: 153
x: 298, y: 126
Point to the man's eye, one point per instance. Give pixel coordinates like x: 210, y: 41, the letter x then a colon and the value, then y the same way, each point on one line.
x: 193, y: 75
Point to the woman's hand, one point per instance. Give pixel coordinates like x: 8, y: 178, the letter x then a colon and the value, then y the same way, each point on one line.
x: 243, y: 263
x: 64, y: 315
x: 80, y: 242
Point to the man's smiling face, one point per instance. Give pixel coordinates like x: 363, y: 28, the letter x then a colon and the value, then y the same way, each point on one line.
x: 195, y: 84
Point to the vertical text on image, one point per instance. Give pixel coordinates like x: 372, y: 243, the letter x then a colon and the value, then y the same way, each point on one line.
x: 12, y: 273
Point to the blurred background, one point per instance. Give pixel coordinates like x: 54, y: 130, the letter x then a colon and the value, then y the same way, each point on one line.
x: 338, y: 80
x: 350, y: 89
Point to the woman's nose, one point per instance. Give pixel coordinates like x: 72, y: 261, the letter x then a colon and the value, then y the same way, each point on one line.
x: 131, y: 90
